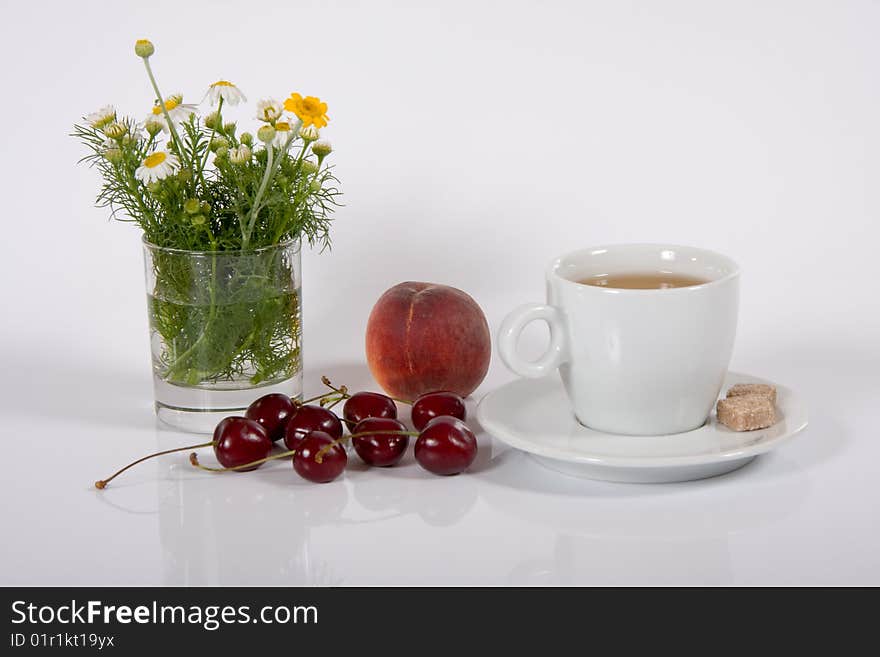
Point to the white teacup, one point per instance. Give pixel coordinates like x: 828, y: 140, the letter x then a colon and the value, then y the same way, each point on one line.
x: 634, y: 361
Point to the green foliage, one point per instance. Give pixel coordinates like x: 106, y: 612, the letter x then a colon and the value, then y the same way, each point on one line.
x: 230, y: 314
x: 296, y: 202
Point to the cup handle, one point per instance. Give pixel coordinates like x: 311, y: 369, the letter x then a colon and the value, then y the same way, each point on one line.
x: 512, y: 327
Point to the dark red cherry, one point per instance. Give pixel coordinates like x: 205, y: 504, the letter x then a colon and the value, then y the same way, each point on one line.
x: 310, y: 418
x: 272, y: 411
x: 446, y: 446
x: 238, y: 440
x: 435, y: 404
x: 332, y: 463
x: 381, y: 449
x: 362, y: 405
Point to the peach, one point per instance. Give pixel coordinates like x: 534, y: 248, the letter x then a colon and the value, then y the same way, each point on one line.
x: 423, y: 337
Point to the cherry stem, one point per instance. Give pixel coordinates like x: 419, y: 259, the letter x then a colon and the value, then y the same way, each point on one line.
x: 102, y: 483
x: 319, y: 455
x: 194, y: 459
x: 310, y: 400
x: 344, y: 392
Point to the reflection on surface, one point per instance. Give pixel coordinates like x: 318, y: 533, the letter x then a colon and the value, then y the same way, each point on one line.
x: 509, y: 521
x: 247, y: 532
x: 260, y: 527
x: 649, y: 534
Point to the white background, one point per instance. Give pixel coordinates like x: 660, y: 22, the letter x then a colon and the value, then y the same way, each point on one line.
x: 475, y: 141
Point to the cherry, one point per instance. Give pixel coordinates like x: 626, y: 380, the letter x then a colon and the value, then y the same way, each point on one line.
x: 310, y: 418
x: 362, y: 405
x: 446, y: 446
x: 435, y: 404
x: 272, y: 411
x: 381, y: 449
x: 332, y: 461
x: 238, y: 440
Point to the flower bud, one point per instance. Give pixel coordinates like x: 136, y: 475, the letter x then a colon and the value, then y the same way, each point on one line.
x: 315, y: 185
x: 197, y: 219
x: 218, y: 143
x: 322, y: 149
x: 127, y: 140
x: 229, y: 128
x: 212, y: 121
x: 205, y: 207
x: 240, y: 155
x: 309, y: 133
x: 113, y: 155
x: 308, y: 167
x: 184, y: 175
x: 153, y: 127
x: 154, y: 187
x: 222, y: 152
x: 266, y: 134
x: 115, y: 130
x: 144, y: 48
x: 192, y: 206
x: 246, y: 138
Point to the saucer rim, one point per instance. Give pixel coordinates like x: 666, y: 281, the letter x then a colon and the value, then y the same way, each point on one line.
x: 636, y: 461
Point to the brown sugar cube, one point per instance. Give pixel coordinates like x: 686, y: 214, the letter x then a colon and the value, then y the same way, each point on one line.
x: 762, y: 389
x: 746, y: 412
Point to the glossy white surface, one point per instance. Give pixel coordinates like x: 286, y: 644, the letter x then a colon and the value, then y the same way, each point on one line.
x: 534, y: 416
x: 747, y: 128
x: 639, y: 362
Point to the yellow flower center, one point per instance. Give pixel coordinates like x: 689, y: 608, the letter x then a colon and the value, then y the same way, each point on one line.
x: 282, y: 126
x: 223, y: 83
x: 155, y: 159
x: 170, y: 104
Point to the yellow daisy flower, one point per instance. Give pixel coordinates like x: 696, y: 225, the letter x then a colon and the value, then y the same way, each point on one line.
x: 310, y: 110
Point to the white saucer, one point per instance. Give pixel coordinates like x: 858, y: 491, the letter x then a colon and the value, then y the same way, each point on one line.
x: 534, y: 415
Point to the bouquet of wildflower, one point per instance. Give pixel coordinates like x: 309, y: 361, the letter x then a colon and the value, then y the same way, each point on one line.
x: 197, y: 184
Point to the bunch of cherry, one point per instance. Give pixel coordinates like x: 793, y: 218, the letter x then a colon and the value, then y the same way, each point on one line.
x: 313, y: 434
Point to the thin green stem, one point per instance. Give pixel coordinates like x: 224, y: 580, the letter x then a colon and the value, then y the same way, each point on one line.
x: 102, y: 483
x: 208, y: 150
x: 263, y: 184
x: 177, y: 141
x: 194, y: 459
x: 212, y: 314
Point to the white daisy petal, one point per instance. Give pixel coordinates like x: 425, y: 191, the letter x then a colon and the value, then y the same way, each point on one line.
x: 269, y: 110
x: 157, y: 166
x: 102, y: 117
x: 283, y: 130
x: 224, y: 89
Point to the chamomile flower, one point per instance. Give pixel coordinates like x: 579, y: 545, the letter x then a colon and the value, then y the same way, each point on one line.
x: 322, y: 149
x: 224, y: 89
x: 177, y: 111
x: 240, y: 154
x: 102, y: 117
x: 157, y: 166
x: 283, y: 130
x: 269, y: 110
x: 153, y: 126
x: 309, y: 133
